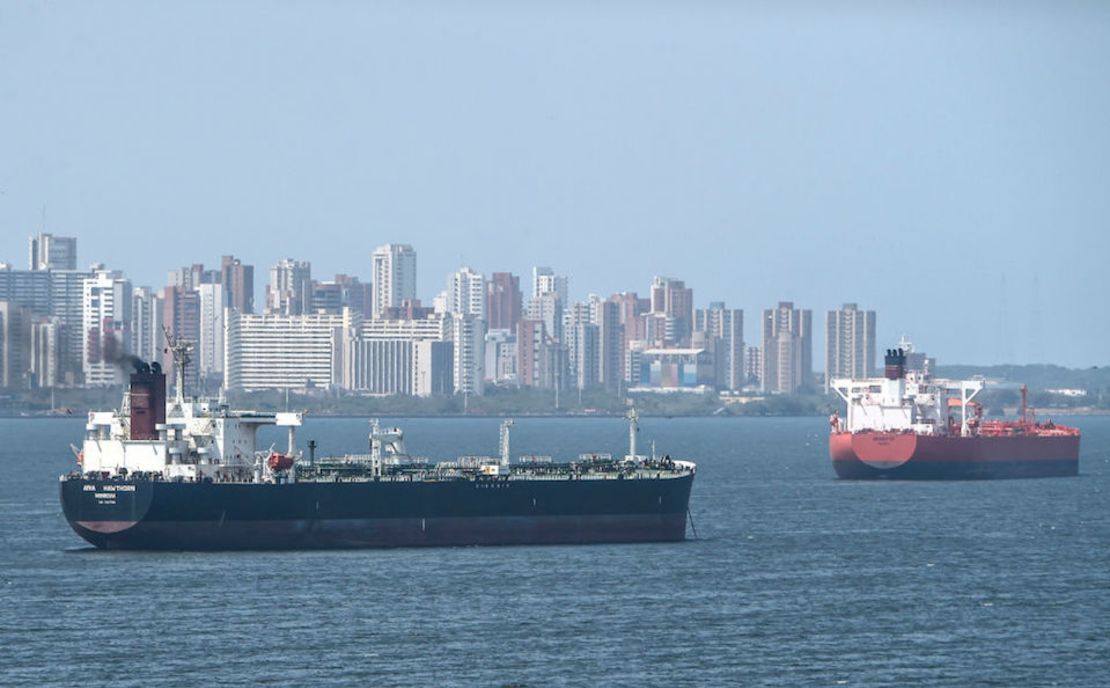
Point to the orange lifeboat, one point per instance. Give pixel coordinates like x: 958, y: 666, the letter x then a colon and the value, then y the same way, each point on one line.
x: 279, y: 462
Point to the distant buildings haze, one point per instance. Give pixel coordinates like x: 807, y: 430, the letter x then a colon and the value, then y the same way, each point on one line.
x: 61, y: 326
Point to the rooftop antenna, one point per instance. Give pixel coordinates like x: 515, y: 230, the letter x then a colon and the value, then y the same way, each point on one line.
x: 182, y: 350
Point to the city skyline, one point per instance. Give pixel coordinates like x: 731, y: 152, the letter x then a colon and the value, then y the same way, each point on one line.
x: 940, y: 166
x: 566, y: 283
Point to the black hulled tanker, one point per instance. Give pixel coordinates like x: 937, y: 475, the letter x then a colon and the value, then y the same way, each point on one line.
x: 195, y: 481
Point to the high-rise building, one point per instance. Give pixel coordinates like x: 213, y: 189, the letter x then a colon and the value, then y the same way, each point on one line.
x: 468, y: 336
x: 724, y: 333
x: 581, y: 345
x: 238, y: 281
x: 67, y: 289
x: 49, y: 252
x: 538, y: 356
x: 545, y: 281
x: 147, y: 338
x: 210, y: 344
x: 53, y: 293
x: 548, y: 309
x: 466, y: 293
x: 503, y: 301
x: 15, y: 345
x: 47, y: 340
x: 849, y: 343
x: 787, y: 349
x: 672, y: 299
x: 106, y: 325
x: 290, y: 288
x: 611, y: 345
x: 393, y: 277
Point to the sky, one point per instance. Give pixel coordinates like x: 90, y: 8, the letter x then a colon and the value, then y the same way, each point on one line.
x: 945, y: 164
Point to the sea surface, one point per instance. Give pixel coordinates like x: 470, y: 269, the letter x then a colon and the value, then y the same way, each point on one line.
x: 793, y: 579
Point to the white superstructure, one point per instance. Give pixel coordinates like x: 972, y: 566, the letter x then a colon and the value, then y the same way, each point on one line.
x: 201, y: 439
x: 901, y: 401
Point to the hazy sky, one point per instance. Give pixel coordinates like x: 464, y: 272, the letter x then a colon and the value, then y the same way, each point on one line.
x: 933, y: 161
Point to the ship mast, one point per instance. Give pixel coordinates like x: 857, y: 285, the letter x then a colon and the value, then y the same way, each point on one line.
x: 633, y: 428
x: 505, y: 425
x: 182, y: 350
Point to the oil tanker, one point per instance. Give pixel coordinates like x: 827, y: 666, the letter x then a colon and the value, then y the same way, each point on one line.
x: 909, y: 425
x: 185, y: 474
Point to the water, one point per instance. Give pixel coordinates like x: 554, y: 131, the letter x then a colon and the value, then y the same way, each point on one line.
x: 797, y: 579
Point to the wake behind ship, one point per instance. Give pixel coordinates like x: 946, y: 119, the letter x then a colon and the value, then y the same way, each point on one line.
x: 187, y: 475
x: 904, y: 426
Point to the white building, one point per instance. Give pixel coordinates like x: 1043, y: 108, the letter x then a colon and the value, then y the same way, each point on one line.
x: 393, y: 277
x: 283, y: 351
x: 466, y: 293
x: 147, y: 338
x: 399, y: 356
x: 106, y: 325
x: 468, y: 335
x: 210, y: 348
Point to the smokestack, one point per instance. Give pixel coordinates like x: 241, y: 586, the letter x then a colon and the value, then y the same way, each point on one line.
x: 895, y: 362
x: 148, y: 400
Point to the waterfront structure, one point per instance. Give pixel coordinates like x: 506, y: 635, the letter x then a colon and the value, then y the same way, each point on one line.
x: 723, y: 329
x: 393, y: 277
x: 849, y: 344
x: 787, y: 349
x: 238, y: 281
x: 276, y: 351
x: 504, y: 301
x: 49, y: 252
x: 290, y: 288
x: 106, y: 325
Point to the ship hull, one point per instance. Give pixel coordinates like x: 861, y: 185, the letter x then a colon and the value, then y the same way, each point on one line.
x: 309, y: 515
x: 906, y: 456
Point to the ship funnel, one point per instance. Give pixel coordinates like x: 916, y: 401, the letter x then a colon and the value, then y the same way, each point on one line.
x: 147, y: 396
x: 895, y: 362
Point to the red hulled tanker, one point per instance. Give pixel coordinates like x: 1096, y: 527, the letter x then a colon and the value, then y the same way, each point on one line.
x: 908, y: 425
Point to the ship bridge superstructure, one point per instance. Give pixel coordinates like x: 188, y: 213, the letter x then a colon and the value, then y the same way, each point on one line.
x: 914, y: 401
